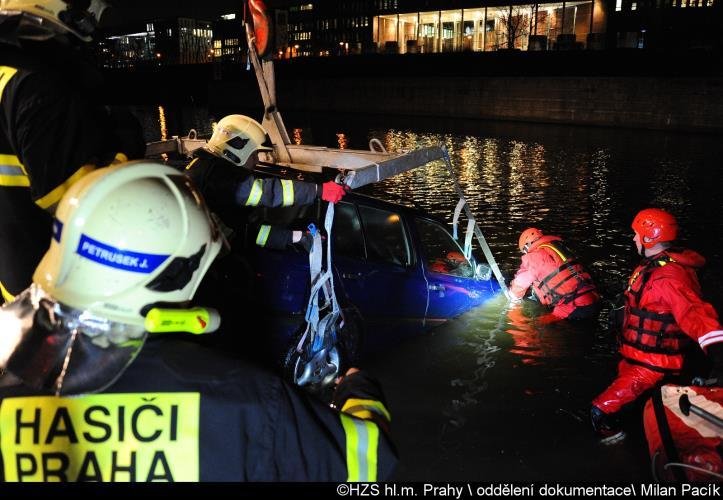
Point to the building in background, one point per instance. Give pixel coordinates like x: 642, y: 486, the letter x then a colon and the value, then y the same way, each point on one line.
x: 342, y: 27
x: 229, y: 39
x: 539, y: 26
x: 304, y: 28
x: 160, y: 42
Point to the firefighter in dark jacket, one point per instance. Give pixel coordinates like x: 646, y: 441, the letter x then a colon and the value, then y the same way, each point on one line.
x: 51, y: 132
x: 664, y: 313
x: 233, y: 191
x: 557, y: 278
x: 100, y: 324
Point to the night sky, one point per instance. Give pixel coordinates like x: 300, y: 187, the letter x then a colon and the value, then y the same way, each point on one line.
x: 135, y: 10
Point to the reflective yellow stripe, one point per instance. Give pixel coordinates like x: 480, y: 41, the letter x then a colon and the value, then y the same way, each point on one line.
x: 54, y: 196
x: 6, y: 73
x: 263, y: 235
x: 559, y: 253
x: 257, y: 189
x: 287, y: 192
x: 357, y: 407
x: 14, y: 180
x: 193, y: 162
x: 362, y: 443
x: 12, y: 161
x: 12, y: 172
x: 6, y: 295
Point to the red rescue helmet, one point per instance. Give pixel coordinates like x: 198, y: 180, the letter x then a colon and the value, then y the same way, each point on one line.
x: 528, y: 237
x: 456, y: 257
x: 654, y: 226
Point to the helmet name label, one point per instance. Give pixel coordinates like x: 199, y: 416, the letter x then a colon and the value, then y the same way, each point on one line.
x: 101, y: 437
x: 120, y: 259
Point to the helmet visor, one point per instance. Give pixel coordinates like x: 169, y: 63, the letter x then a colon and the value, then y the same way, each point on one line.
x: 79, y: 20
x: 30, y: 27
x: 63, y: 350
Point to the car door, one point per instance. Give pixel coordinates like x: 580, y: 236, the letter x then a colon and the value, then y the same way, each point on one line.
x: 381, y: 276
x: 451, y: 282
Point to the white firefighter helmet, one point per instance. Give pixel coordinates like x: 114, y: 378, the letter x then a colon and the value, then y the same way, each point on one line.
x: 236, y: 137
x: 44, y: 18
x: 127, y: 237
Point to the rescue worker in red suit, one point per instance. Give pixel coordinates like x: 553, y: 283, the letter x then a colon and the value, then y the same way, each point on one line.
x: 557, y: 278
x: 663, y: 314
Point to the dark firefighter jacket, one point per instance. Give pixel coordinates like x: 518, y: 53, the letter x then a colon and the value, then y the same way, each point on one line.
x: 184, y: 412
x: 51, y: 135
x: 664, y: 311
x: 233, y: 192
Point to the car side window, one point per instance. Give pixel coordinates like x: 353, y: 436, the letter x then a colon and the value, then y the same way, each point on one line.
x: 442, y: 254
x: 386, y: 238
x: 347, y: 233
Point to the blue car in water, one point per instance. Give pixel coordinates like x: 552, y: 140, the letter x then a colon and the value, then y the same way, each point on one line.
x: 398, y: 272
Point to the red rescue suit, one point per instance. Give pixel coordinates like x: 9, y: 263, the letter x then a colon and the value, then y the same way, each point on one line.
x: 556, y: 277
x: 663, y: 312
x: 691, y: 440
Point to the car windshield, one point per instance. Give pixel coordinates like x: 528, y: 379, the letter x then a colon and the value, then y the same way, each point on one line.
x: 442, y: 254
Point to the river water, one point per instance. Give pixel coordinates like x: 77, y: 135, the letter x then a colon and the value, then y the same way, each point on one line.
x: 498, y: 394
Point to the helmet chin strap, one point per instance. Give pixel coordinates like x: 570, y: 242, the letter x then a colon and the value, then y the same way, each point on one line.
x: 66, y: 362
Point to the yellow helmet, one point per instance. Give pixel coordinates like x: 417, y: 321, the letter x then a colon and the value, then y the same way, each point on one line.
x: 236, y: 137
x: 128, y: 237
x: 45, y: 18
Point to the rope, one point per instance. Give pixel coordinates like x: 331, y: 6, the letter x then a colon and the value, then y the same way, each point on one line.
x: 477, y: 231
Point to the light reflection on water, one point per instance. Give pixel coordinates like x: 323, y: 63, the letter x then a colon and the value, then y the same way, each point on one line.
x: 502, y: 392
x: 499, y: 393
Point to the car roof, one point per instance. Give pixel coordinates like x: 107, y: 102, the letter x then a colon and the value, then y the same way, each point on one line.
x: 373, y: 201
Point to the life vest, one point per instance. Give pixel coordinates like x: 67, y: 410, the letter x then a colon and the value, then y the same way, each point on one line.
x: 567, y: 282
x: 650, y: 338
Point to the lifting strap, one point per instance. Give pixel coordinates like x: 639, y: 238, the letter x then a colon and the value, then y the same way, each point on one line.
x: 472, y: 226
x: 323, y: 315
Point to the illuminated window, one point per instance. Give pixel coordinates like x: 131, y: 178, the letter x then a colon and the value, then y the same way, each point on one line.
x: 634, y: 6
x: 618, y: 5
x: 308, y: 6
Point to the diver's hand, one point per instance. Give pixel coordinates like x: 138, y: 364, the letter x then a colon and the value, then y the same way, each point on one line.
x: 715, y: 377
x: 512, y: 298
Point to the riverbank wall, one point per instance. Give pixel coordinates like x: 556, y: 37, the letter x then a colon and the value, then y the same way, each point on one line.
x: 629, y: 89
